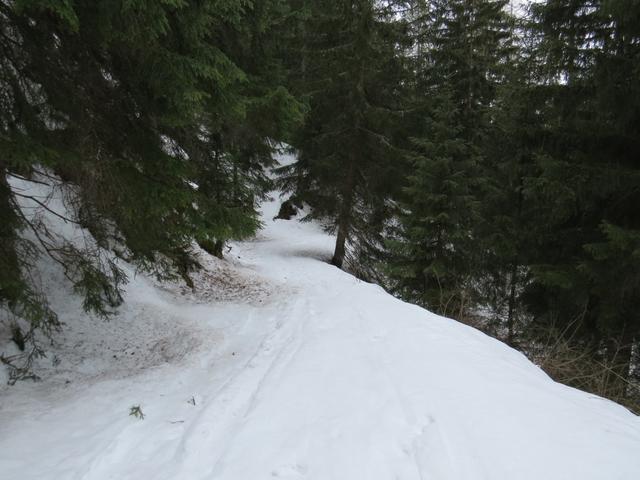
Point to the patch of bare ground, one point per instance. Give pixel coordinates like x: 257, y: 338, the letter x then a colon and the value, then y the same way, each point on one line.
x: 221, y: 281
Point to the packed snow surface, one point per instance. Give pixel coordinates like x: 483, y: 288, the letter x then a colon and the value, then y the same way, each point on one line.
x: 279, y: 365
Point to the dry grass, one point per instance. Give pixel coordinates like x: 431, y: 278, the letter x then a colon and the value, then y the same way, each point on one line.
x: 581, y: 368
x: 573, y: 364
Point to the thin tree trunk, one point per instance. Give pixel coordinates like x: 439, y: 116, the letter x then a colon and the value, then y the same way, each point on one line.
x: 512, y: 303
x: 514, y: 272
x: 339, y: 252
x: 344, y: 221
x: 620, y: 356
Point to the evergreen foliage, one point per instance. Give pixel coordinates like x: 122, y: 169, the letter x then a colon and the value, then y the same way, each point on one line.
x: 479, y: 164
x: 461, y: 47
x: 160, y: 115
x: 585, y: 265
x: 523, y: 200
x: 347, y: 158
x: 433, y: 255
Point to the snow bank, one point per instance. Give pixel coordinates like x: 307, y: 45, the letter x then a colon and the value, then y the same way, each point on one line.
x: 286, y: 367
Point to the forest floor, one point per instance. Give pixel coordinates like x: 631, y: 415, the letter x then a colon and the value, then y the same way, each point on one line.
x: 279, y: 365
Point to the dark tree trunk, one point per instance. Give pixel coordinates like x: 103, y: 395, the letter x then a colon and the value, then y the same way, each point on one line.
x: 340, y: 250
x: 344, y: 220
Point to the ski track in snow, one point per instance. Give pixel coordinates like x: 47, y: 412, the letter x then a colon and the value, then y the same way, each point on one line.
x: 311, y: 375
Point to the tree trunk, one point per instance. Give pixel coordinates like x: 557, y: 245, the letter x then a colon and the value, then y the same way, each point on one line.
x: 620, y: 355
x: 512, y: 304
x: 340, y: 250
x: 358, y: 98
x: 344, y: 220
x: 514, y: 270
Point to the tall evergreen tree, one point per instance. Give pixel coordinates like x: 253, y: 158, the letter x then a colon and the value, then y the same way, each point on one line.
x: 347, y: 161
x: 586, y: 264
x: 461, y: 47
x: 506, y: 210
x: 431, y: 256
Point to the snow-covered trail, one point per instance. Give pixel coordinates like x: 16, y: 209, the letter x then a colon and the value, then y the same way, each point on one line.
x: 358, y: 385
x: 330, y: 379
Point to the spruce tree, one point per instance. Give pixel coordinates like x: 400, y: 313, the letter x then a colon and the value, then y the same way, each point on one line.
x: 585, y: 265
x: 431, y: 255
x: 347, y: 159
x: 461, y: 47
x: 507, y: 210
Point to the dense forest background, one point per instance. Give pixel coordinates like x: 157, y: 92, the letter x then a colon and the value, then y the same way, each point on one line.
x: 476, y: 157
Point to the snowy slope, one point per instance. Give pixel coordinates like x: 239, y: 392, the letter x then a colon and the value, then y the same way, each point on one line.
x: 282, y: 366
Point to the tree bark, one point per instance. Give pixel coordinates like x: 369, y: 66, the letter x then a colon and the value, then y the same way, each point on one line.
x: 358, y: 99
x: 619, y: 353
x: 340, y: 250
x: 514, y: 270
x: 512, y: 303
x: 344, y: 220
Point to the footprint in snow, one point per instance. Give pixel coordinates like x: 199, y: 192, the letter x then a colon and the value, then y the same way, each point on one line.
x: 288, y: 471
